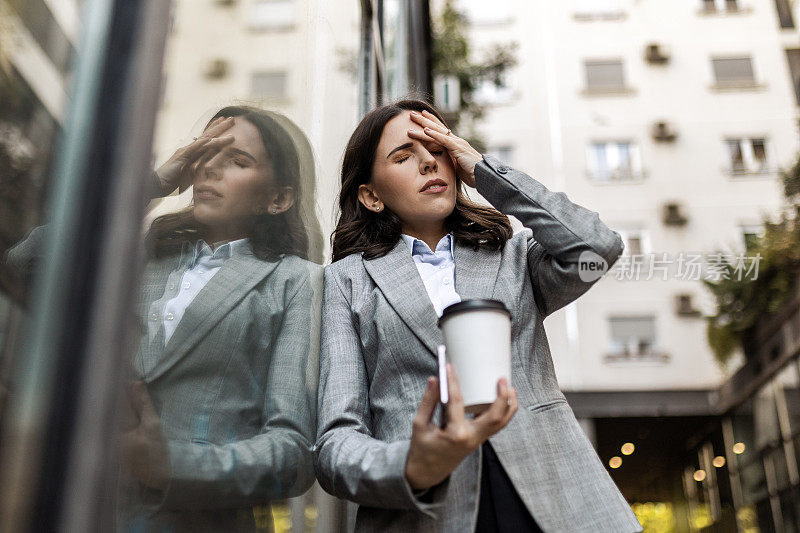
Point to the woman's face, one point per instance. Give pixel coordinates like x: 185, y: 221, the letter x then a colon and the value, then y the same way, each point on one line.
x: 416, y: 180
x: 235, y: 184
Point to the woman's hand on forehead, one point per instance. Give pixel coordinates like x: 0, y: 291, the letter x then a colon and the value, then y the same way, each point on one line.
x: 464, y: 156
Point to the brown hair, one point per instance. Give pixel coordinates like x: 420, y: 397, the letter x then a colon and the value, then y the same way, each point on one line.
x: 360, y: 230
x: 270, y: 235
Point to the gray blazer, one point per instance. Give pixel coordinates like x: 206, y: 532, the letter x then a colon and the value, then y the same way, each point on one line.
x: 235, y: 389
x: 379, y: 338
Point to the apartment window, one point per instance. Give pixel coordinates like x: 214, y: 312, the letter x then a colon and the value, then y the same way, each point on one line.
x: 747, y: 155
x: 793, y: 57
x: 784, y: 13
x: 733, y: 71
x: 504, y: 153
x: 272, y: 14
x: 611, y: 161
x: 717, y: 6
x: 636, y: 241
x: 489, y: 93
x: 482, y: 12
x: 268, y: 85
x: 632, y: 336
x: 751, y: 233
x: 604, y: 76
x: 598, y: 9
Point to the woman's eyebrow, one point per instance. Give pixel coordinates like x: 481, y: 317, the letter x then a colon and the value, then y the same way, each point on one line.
x: 242, y: 152
x: 401, y: 147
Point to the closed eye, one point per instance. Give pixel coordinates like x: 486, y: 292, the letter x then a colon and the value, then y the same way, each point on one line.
x: 401, y: 160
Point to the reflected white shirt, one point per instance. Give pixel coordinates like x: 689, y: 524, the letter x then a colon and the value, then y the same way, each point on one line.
x: 437, y: 270
x: 202, y: 264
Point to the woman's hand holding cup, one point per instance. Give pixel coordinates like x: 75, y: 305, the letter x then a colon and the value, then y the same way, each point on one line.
x: 435, y: 452
x: 179, y: 170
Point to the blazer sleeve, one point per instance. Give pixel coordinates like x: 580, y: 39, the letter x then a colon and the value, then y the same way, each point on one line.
x: 563, y: 233
x: 278, y: 462
x: 350, y: 463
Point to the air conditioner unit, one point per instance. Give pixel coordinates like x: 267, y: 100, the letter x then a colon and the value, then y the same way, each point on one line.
x: 655, y: 53
x: 673, y: 215
x: 216, y: 69
x: 225, y: 3
x: 684, y: 305
x: 664, y: 132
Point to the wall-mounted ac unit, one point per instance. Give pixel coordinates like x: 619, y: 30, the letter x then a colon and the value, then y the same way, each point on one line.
x: 684, y: 305
x: 664, y: 132
x: 216, y: 69
x: 656, y: 54
x: 673, y: 215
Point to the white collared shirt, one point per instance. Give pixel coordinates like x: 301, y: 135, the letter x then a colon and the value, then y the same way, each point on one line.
x: 200, y: 264
x: 437, y: 270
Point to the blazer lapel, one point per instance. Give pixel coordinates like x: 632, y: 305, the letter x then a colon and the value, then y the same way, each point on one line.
x: 237, y: 276
x: 397, y: 277
x: 476, y: 271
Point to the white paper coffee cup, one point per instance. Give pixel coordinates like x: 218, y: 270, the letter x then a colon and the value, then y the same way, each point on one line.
x: 477, y: 335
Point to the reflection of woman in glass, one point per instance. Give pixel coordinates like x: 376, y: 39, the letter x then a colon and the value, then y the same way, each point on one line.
x: 229, y: 355
x: 408, y: 243
x: 225, y: 377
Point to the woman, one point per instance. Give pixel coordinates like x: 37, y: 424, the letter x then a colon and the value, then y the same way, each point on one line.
x: 404, y: 218
x: 224, y: 390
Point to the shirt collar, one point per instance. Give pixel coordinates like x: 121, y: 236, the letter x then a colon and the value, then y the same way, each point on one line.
x: 418, y: 247
x: 222, y: 251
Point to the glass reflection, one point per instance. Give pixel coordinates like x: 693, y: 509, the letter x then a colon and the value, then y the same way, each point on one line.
x: 223, y: 386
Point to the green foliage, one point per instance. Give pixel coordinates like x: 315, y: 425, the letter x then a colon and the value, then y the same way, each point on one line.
x: 742, y: 303
x: 452, y: 56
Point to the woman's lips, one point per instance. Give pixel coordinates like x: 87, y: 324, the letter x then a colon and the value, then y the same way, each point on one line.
x: 436, y: 189
x: 206, y: 195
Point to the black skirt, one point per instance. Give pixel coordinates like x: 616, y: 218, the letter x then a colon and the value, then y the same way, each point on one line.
x: 500, y: 509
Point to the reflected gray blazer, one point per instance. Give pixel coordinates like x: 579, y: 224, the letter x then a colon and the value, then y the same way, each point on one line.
x: 379, y: 338
x: 235, y: 390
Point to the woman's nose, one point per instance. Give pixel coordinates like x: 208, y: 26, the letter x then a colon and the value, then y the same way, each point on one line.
x: 211, y: 167
x: 428, y: 162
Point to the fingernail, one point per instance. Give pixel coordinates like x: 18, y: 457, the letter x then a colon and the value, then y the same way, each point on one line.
x: 414, y: 113
x: 412, y: 131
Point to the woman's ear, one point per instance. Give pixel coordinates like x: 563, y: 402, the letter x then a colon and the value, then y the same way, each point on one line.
x: 369, y: 199
x: 282, y: 201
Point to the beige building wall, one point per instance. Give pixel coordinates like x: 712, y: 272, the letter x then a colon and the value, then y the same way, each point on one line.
x: 548, y: 120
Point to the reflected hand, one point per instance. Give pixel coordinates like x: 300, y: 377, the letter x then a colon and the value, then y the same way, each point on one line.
x: 464, y: 156
x: 435, y: 452
x: 179, y: 170
x: 144, y: 448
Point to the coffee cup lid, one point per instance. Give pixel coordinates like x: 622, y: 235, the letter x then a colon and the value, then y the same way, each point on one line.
x: 473, y: 305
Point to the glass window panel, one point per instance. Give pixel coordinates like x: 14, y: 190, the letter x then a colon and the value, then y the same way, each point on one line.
x: 736, y: 156
x: 604, y: 75
x: 268, y: 85
x: 634, y: 335
x: 759, y: 153
x: 273, y: 14
x: 733, y: 70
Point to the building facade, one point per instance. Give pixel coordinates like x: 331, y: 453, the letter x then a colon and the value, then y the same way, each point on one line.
x: 672, y: 120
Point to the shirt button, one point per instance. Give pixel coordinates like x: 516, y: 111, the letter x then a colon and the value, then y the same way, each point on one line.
x: 154, y: 316
x: 187, y: 285
x: 169, y: 316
